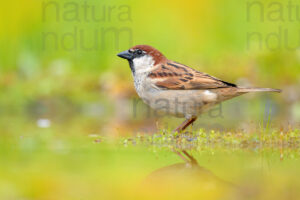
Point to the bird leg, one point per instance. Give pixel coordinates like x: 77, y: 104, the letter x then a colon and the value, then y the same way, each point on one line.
x: 181, y: 156
x: 192, y: 159
x: 179, y: 129
x: 185, y: 124
x: 187, y: 158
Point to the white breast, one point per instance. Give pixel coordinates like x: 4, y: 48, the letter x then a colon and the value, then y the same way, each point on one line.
x: 142, y: 66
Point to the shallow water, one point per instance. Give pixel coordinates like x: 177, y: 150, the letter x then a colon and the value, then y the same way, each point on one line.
x: 91, y: 167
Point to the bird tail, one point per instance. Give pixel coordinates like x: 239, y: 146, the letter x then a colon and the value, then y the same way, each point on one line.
x: 245, y: 90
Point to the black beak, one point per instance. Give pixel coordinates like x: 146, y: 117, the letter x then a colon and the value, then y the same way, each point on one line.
x: 126, y: 55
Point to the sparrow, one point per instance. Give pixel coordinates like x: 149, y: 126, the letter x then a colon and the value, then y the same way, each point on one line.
x: 177, y: 89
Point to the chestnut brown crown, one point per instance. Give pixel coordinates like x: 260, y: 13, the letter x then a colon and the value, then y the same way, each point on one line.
x: 157, y: 56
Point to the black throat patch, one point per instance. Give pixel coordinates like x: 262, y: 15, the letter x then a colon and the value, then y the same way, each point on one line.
x: 131, y: 66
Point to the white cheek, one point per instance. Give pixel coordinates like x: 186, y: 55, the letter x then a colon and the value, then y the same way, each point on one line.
x: 209, y: 96
x: 143, y: 64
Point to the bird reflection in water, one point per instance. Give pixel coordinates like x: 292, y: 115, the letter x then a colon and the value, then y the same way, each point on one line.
x: 185, y: 181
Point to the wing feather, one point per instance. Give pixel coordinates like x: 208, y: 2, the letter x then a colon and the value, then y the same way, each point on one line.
x: 175, y: 76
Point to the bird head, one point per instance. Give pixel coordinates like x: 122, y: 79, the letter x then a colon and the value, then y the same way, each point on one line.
x: 142, y: 57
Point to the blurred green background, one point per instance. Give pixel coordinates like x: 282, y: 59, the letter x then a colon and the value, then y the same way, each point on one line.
x: 58, y: 58
x: 60, y: 77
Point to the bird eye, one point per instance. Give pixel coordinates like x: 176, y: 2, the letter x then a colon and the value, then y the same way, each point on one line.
x: 139, y: 52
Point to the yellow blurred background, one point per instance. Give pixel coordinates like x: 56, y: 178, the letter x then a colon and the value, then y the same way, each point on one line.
x: 63, y: 53
x: 60, y: 78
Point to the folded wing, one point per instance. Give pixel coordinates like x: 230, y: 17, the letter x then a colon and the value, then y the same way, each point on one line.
x: 175, y: 76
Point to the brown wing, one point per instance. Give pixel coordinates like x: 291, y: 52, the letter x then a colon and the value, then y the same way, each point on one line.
x: 175, y: 76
